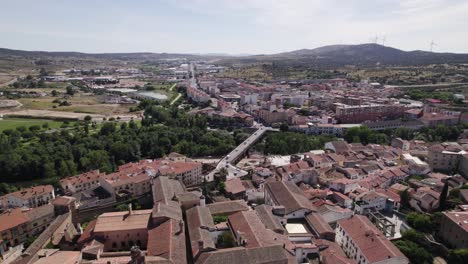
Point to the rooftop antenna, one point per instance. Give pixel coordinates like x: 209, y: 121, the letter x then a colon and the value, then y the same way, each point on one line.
x: 432, y: 44
x: 384, y: 38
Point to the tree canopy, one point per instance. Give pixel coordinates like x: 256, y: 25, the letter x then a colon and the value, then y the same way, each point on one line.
x: 30, y: 155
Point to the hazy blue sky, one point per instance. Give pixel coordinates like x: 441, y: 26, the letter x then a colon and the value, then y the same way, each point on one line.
x: 230, y: 26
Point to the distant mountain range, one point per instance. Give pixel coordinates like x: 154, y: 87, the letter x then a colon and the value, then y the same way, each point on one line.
x: 327, y: 56
x: 362, y: 54
x: 118, y: 56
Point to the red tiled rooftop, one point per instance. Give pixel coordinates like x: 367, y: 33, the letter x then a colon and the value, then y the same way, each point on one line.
x: 373, y: 244
x: 33, y: 191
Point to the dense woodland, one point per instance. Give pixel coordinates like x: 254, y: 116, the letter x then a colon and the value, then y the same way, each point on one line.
x: 440, y: 133
x: 33, y: 155
x: 286, y: 143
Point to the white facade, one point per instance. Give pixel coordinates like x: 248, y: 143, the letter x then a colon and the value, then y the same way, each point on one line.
x: 30, y: 201
x: 378, y: 203
x: 249, y: 99
x: 344, y: 186
x: 352, y: 250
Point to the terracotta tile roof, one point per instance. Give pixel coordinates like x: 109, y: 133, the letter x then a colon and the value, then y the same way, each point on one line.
x: 18, y: 216
x: 333, y: 254
x: 168, y: 241
x: 240, y: 255
x: 341, y: 196
x: 460, y: 218
x: 144, y: 169
x: 372, y: 243
x: 87, y: 177
x: 340, y: 146
x: 390, y: 194
x: 33, y: 191
x: 247, y: 226
x: 287, y: 194
x: 234, y: 186
x: 166, y: 189
x: 88, y: 232
x: 336, y: 157
x: 227, y: 207
x: 39, y: 212
x: 319, y: 225
x: 269, y: 220
x: 62, y: 257
x: 12, y: 218
x: 198, y: 220
x: 295, y: 167
x: 63, y: 200
x: 371, y: 196
x: 170, y: 210
x: 120, y: 221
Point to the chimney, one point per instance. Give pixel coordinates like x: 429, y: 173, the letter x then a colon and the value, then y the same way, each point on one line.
x: 130, y: 211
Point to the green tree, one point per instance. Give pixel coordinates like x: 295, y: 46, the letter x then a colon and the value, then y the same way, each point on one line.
x: 405, y: 198
x: 443, y: 197
x: 225, y: 240
x: 70, y: 90
x: 219, y: 219
x: 414, y: 252
x: 458, y: 256
x: 34, y: 128
x: 420, y: 222
x: 284, y: 127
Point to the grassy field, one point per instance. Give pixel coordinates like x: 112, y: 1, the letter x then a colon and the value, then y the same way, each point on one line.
x: 12, y: 123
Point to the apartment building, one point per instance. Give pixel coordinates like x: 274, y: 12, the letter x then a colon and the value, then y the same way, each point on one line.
x: 82, y: 182
x: 434, y: 116
x: 370, y: 201
x: 329, y: 129
x: 135, y: 178
x: 367, y: 112
x: 363, y: 242
x: 197, y: 95
x: 454, y: 228
x: 446, y: 156
x: 275, y: 116
x: 30, y: 197
x: 18, y: 224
